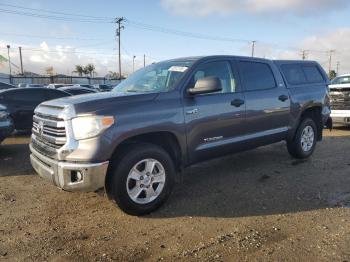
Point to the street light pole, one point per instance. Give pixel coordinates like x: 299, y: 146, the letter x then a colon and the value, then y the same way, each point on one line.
x: 9, y: 58
x: 253, y: 48
x: 133, y: 63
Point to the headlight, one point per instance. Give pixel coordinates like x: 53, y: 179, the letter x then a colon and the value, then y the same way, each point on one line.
x: 4, y: 114
x: 90, y: 126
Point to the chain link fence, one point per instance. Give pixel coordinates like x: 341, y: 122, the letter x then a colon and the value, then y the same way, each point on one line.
x: 45, y: 80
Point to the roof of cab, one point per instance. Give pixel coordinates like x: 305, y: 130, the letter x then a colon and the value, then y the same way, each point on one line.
x: 198, y: 58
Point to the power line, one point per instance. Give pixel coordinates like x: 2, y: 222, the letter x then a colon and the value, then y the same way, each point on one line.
x: 182, y: 33
x: 56, y: 12
x: 60, y: 18
x: 50, y: 37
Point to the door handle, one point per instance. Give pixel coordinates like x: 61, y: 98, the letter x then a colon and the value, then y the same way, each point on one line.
x: 237, y: 102
x: 283, y: 98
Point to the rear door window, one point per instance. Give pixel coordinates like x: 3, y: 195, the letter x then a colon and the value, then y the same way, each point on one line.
x: 256, y: 76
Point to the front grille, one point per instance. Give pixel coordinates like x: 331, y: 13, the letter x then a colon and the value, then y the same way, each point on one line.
x: 340, y: 99
x: 49, y: 134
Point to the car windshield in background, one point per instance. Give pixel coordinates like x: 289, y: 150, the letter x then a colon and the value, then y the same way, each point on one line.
x: 341, y: 80
x: 160, y: 77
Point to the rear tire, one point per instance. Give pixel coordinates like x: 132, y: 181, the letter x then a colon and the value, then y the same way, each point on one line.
x: 304, y: 142
x: 142, y: 179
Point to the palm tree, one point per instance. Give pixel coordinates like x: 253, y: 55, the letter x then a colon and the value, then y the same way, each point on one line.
x: 79, y: 70
x: 89, y: 69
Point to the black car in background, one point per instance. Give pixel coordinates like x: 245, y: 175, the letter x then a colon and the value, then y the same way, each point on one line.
x: 21, y: 102
x: 6, y: 124
x: 74, y: 90
x: 6, y: 86
x: 56, y: 86
x: 103, y: 87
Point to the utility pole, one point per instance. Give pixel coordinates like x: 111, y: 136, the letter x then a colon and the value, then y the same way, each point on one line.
x: 253, y: 48
x: 338, y: 64
x: 331, y: 52
x: 144, y: 60
x: 9, y: 58
x: 20, y: 58
x: 119, y: 21
x: 133, y: 63
x: 304, y: 54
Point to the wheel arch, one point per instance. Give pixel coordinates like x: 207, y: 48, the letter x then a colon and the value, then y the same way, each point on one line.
x: 164, y: 139
x: 315, y: 113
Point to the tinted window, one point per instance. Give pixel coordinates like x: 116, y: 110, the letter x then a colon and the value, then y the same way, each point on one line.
x: 312, y: 74
x: 29, y: 95
x: 294, y: 74
x: 221, y: 70
x: 5, y: 86
x: 257, y: 76
x: 78, y: 91
x: 298, y: 74
x: 54, y: 94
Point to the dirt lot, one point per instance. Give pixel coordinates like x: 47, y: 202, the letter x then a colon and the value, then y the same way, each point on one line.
x: 260, y: 205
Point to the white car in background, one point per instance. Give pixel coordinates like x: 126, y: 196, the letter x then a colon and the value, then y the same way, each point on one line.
x: 340, y: 99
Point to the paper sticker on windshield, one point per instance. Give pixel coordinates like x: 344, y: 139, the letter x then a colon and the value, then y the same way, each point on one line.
x: 178, y: 68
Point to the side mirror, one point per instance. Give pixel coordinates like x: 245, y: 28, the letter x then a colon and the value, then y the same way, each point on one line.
x: 206, y: 85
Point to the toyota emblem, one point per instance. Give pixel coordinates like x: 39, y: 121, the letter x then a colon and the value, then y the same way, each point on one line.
x: 41, y: 128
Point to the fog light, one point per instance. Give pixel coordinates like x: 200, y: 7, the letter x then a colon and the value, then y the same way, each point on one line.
x: 76, y: 176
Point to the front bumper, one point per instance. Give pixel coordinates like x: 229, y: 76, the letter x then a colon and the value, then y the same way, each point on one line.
x: 341, y: 117
x: 69, y: 176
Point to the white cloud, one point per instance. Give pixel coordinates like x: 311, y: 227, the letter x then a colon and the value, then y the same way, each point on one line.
x: 64, y: 58
x: 317, y: 46
x: 226, y: 7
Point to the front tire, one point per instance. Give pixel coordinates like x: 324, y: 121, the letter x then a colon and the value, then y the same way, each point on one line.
x: 304, y: 142
x: 142, y: 179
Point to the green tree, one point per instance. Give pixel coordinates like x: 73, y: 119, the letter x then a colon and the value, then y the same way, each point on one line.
x: 332, y: 74
x: 89, y: 69
x: 49, y: 71
x: 79, y: 70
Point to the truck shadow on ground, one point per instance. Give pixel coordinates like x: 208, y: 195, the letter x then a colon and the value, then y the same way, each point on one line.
x: 14, y: 158
x: 264, y: 181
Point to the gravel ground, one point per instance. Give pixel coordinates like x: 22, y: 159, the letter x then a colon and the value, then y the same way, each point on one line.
x: 260, y: 205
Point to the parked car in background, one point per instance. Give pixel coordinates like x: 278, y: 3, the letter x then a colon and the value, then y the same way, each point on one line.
x: 135, y: 140
x: 83, y: 85
x: 33, y: 85
x: 55, y: 86
x: 103, y: 87
x: 21, y: 102
x: 74, y: 90
x: 340, y: 99
x: 6, y: 124
x: 21, y: 85
x: 6, y: 86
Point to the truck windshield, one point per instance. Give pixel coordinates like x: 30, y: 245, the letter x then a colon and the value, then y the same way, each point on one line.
x: 159, y: 77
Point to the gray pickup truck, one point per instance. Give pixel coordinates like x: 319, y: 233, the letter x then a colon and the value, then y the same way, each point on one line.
x: 135, y: 140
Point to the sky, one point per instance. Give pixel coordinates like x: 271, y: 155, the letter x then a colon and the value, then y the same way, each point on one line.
x: 164, y: 29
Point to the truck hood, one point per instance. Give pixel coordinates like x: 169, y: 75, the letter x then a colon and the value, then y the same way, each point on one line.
x: 69, y: 107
